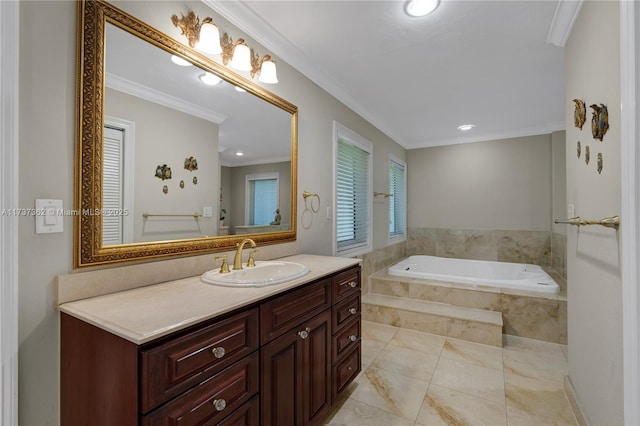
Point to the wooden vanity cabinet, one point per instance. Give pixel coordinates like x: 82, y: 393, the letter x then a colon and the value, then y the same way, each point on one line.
x: 281, y: 361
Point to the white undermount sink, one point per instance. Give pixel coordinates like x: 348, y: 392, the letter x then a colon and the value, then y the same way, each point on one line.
x: 263, y: 274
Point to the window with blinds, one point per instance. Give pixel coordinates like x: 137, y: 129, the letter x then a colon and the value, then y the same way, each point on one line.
x: 353, y: 192
x: 112, y: 171
x: 262, y: 198
x: 398, y: 200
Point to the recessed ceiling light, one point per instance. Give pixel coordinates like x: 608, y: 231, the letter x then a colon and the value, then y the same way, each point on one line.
x: 239, y: 153
x: 466, y: 127
x: 179, y: 61
x: 210, y: 79
x: 240, y: 89
x: 421, y: 7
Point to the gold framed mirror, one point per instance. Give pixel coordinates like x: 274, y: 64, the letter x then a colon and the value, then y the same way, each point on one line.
x: 179, y: 210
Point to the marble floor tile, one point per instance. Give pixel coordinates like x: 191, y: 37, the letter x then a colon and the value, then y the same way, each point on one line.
x: 443, y: 406
x: 354, y: 413
x: 465, y: 377
x: 408, y: 362
x: 378, y: 332
x: 565, y: 351
x: 535, y: 366
x: 516, y: 343
x: 474, y: 353
x: 370, y: 350
x: 419, y: 341
x: 391, y: 392
x: 537, y: 398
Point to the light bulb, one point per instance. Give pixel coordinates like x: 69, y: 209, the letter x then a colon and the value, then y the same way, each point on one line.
x: 268, y: 73
x: 209, y: 39
x: 210, y: 79
x: 241, y: 58
x: 179, y: 61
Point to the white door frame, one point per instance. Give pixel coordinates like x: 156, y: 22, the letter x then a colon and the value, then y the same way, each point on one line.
x: 9, y: 91
x: 630, y: 209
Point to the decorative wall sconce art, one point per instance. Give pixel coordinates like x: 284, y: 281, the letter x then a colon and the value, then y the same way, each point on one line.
x: 587, y: 155
x: 165, y: 189
x: 599, y: 121
x: 190, y: 164
x: 579, y: 113
x: 599, y: 162
x: 163, y: 172
x: 579, y: 149
x: 205, y: 36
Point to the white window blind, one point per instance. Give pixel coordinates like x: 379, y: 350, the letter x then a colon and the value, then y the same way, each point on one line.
x: 353, y: 195
x: 112, y: 186
x: 263, y: 199
x: 398, y: 200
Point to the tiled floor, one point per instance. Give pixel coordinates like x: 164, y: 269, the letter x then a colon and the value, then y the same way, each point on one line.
x: 414, y: 378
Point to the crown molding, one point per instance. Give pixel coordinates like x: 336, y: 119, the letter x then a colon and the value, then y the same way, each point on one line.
x: 134, y: 89
x: 531, y: 131
x: 563, y: 19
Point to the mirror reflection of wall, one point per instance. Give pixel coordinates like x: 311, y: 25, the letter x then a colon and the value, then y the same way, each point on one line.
x: 240, y: 192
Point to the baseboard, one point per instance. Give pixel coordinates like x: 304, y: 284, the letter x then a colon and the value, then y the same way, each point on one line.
x: 573, y: 402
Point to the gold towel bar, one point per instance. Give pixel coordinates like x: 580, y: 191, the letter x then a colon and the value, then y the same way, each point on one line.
x: 608, y: 222
x: 382, y: 194
x: 193, y: 215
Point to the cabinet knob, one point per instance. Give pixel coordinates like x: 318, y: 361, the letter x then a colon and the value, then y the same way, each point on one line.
x: 353, y: 337
x: 353, y: 311
x: 304, y: 333
x: 219, y: 404
x: 353, y: 284
x: 218, y: 352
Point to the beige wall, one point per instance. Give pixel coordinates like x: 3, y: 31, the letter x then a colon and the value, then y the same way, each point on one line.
x: 47, y: 115
x: 167, y: 136
x: 501, y: 184
x: 593, y: 268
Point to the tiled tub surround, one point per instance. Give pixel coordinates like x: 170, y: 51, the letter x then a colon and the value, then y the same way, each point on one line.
x: 559, y: 253
x: 414, y: 378
x: 525, y: 314
x: 497, y: 245
x: 381, y: 259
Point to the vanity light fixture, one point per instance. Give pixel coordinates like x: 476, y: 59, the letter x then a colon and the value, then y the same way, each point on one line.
x: 466, y: 127
x: 419, y: 8
x: 205, y: 37
x: 209, y: 79
x: 179, y: 61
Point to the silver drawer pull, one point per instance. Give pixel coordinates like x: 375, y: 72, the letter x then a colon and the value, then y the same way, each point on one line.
x: 304, y: 333
x: 220, y: 404
x: 218, y: 352
x: 353, y: 337
x: 353, y: 311
x: 353, y: 284
x: 349, y: 368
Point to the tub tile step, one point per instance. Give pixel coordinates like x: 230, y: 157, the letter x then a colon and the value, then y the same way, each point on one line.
x: 475, y: 325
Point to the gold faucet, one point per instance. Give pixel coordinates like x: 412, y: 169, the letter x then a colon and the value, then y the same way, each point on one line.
x: 237, y: 260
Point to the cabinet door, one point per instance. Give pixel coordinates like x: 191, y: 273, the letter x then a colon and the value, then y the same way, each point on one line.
x: 296, y: 375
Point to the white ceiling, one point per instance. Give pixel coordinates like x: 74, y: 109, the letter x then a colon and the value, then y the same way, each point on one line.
x: 417, y: 79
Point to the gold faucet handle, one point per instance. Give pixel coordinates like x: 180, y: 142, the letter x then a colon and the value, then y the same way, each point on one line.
x: 251, y: 261
x: 224, y: 268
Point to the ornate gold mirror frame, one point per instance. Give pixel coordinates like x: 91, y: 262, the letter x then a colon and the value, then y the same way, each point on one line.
x: 93, y: 15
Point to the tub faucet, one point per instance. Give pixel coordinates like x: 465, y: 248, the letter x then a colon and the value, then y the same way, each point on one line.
x: 237, y: 260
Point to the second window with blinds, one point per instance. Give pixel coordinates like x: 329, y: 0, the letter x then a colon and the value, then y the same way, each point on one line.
x: 397, y: 200
x: 353, y: 193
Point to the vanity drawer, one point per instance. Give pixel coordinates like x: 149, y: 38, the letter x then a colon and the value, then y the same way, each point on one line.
x: 247, y: 415
x: 345, y: 372
x: 346, y: 339
x: 177, y: 365
x: 285, y: 312
x: 345, y: 311
x: 212, y: 400
x: 345, y: 284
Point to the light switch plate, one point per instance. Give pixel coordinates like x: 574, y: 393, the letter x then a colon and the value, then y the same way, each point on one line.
x: 49, y: 216
x: 207, y: 211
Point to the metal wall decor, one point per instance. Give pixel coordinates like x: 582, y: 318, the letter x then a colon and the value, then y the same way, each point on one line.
x: 599, y: 162
x: 190, y: 26
x: 599, y: 121
x: 579, y: 113
x: 190, y: 164
x: 579, y: 149
x: 587, y: 155
x: 163, y: 172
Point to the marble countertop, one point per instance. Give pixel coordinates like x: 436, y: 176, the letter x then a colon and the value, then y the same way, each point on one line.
x: 144, y: 314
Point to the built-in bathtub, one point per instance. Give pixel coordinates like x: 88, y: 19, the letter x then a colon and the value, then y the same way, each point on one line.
x: 516, y: 276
